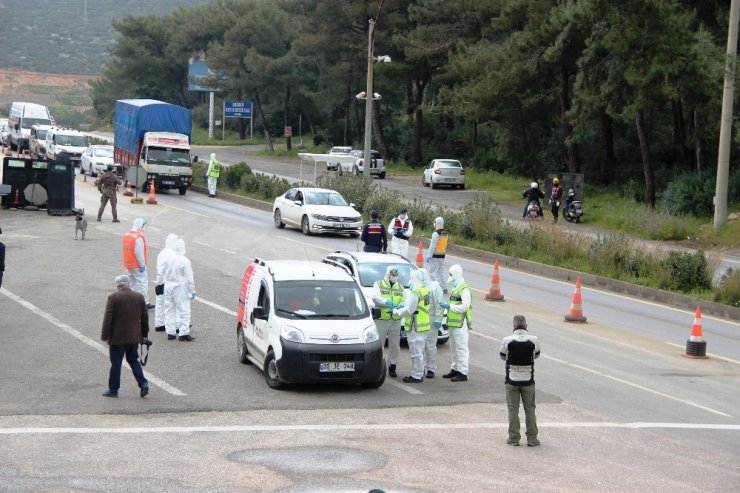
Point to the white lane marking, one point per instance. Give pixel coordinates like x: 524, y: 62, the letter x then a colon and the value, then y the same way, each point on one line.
x: 359, y: 427
x: 216, y: 306
x: 638, y: 386
x: 153, y: 228
x: 306, y: 244
x: 185, y: 210
x: 490, y: 338
x: 198, y: 242
x: 227, y: 251
x: 711, y: 355
x: 78, y: 335
x: 405, y: 388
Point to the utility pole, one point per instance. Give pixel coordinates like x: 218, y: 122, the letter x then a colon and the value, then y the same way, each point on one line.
x: 369, y: 99
x: 725, y: 132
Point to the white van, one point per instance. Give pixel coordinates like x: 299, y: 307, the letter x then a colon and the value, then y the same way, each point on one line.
x: 37, y: 140
x: 65, y: 140
x: 307, y: 322
x: 21, y: 118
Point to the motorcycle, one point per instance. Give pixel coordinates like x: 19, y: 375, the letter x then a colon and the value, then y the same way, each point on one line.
x: 533, y: 210
x: 573, y: 211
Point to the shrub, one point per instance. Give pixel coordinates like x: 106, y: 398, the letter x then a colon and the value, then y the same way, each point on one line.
x: 232, y: 175
x: 728, y: 291
x: 355, y: 189
x: 687, y: 271
x: 690, y: 193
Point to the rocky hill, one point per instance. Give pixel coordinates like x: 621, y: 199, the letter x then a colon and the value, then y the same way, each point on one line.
x: 47, y: 89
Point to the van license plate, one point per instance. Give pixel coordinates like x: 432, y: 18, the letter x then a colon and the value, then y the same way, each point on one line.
x: 340, y: 366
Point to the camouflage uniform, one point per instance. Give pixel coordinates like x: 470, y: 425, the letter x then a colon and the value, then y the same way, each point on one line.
x: 107, y: 184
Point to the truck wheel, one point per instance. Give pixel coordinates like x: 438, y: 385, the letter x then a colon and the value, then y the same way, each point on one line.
x: 271, y: 372
x: 381, y: 175
x: 375, y: 385
x: 183, y: 190
x: 241, y: 345
x: 278, y: 219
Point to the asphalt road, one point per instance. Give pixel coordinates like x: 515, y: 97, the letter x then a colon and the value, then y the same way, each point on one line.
x: 619, y: 408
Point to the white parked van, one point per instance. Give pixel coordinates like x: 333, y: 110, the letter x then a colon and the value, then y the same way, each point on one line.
x: 307, y: 322
x: 37, y: 140
x: 65, y: 140
x: 21, y: 118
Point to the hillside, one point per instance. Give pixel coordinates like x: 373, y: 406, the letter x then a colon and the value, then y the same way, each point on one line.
x: 48, y: 89
x: 68, y: 36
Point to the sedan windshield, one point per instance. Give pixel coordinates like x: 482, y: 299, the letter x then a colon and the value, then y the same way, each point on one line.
x: 325, y: 198
x: 103, y: 152
x: 319, y: 299
x: 370, y: 272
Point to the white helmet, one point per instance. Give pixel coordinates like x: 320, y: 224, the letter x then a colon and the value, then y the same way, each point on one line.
x: 534, y: 184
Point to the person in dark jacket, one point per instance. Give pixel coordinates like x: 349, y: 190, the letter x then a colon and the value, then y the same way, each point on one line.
x: 533, y: 193
x: 125, y: 326
x: 519, y: 350
x: 2, y: 259
x: 374, y: 235
x: 556, y: 195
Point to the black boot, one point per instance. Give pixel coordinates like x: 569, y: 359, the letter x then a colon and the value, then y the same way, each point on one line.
x: 392, y: 371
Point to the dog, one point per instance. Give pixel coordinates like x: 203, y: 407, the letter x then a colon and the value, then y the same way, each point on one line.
x: 80, y: 223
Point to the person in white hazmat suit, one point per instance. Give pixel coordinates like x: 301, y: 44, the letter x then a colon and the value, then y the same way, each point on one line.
x: 459, y: 320
x: 401, y: 229
x: 436, y: 314
x: 162, y: 258
x: 388, y: 294
x: 417, y: 323
x: 179, y: 289
x: 437, y: 252
x: 212, y: 174
x: 135, y: 259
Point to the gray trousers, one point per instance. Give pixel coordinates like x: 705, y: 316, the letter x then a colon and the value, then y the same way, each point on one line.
x: 526, y: 393
x: 437, y: 272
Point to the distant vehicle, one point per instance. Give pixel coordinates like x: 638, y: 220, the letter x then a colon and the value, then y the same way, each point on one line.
x: 316, y: 211
x: 21, y: 117
x: 4, y: 131
x: 96, y: 159
x: 37, y: 140
x: 337, y: 151
x: 155, y: 136
x: 448, y: 172
x: 377, y: 166
x: 62, y: 141
x: 368, y: 268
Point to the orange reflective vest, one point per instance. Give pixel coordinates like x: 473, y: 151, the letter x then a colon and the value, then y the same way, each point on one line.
x: 441, y: 249
x: 129, y: 250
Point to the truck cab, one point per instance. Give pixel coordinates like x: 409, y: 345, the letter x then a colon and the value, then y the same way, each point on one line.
x: 165, y: 156
x: 307, y: 322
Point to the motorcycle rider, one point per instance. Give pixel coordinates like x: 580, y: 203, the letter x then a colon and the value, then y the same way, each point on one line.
x: 556, y: 194
x: 533, y: 194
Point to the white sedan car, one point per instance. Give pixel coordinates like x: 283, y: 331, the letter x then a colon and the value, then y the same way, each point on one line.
x: 316, y: 211
x: 332, y: 165
x: 447, y: 172
x: 96, y: 159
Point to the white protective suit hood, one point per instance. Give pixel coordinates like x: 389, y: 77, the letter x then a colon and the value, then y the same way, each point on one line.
x: 213, y: 156
x: 456, y: 275
x: 139, y: 224
x: 439, y: 222
x: 425, y: 278
x: 388, y: 273
x: 169, y: 243
x: 180, y: 246
x: 416, y: 279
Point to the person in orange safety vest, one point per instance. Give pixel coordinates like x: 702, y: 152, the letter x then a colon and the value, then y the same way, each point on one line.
x: 135, y: 258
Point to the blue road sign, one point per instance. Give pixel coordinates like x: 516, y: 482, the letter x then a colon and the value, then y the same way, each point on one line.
x: 241, y: 109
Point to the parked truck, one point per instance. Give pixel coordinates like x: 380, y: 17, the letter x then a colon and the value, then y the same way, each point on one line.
x: 155, y: 136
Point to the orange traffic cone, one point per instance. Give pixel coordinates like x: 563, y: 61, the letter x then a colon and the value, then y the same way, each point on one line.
x: 494, y: 294
x: 576, y: 311
x: 128, y: 192
x: 420, y: 255
x: 151, y: 199
x: 696, y: 346
x: 17, y: 199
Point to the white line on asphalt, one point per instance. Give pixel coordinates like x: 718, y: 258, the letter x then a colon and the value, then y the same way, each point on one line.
x: 711, y: 355
x: 227, y: 251
x: 78, y: 335
x: 215, y: 306
x: 198, y: 242
x: 360, y: 427
x: 305, y: 243
x: 405, y: 388
x: 185, y: 210
x: 638, y: 386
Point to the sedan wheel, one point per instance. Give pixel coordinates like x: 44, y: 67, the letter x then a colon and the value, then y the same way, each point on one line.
x: 305, y: 226
x: 91, y: 171
x: 279, y: 224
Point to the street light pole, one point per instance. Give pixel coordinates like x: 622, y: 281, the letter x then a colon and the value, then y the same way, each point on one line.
x: 368, y: 99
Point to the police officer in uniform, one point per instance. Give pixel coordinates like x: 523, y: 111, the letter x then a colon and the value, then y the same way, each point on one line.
x: 417, y: 324
x: 374, y: 235
x: 401, y: 229
x: 107, y: 184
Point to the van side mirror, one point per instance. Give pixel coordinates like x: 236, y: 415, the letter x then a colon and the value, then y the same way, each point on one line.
x: 259, y: 312
x: 375, y: 312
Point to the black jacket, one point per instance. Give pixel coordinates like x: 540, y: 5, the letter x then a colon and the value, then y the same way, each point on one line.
x: 374, y: 235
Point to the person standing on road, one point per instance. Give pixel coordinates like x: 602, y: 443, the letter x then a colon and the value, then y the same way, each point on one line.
x: 179, y: 289
x: 437, y: 252
x: 459, y: 320
x: 388, y: 294
x: 162, y: 263
x: 401, y: 229
x: 125, y: 326
x: 374, y: 235
x: 212, y: 174
x: 107, y: 184
x: 519, y: 350
x: 2, y: 259
x: 436, y: 314
x: 135, y: 258
x: 417, y: 323
x: 556, y: 195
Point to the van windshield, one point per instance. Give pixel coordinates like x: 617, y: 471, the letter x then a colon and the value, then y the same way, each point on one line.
x: 319, y: 299
x: 168, y: 156
x: 71, y: 140
x: 29, y: 122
